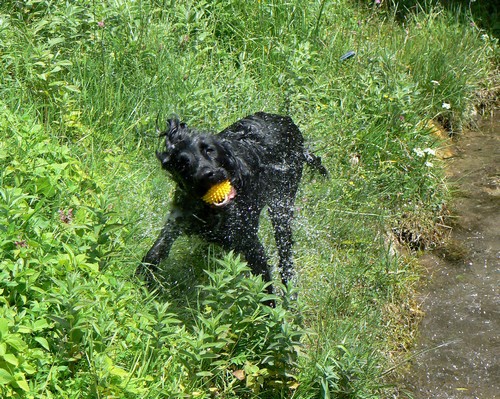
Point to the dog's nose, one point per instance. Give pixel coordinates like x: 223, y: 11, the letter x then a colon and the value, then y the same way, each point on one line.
x: 206, y: 174
x: 162, y: 157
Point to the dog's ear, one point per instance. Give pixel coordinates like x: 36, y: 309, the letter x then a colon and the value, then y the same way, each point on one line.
x: 173, y: 133
x: 173, y: 126
x: 234, y: 164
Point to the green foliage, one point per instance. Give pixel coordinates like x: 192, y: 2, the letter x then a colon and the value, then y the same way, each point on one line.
x: 56, y: 232
x: 344, y: 374
x: 81, y: 194
x: 14, y: 365
x: 240, y: 346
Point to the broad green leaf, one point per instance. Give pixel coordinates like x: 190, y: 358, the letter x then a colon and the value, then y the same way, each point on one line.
x: 118, y: 371
x: 42, y: 341
x: 4, y: 327
x: 40, y: 324
x: 21, y: 382
x: 15, y: 342
x: 5, y: 377
x: 11, y: 359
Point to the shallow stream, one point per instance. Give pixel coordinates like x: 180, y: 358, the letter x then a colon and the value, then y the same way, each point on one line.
x: 460, y: 332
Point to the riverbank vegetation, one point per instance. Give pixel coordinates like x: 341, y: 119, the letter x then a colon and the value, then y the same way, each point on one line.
x: 82, y: 196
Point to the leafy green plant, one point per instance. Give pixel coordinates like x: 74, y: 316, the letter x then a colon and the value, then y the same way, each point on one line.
x: 45, y: 262
x: 238, y: 337
x: 14, y: 367
x: 344, y: 374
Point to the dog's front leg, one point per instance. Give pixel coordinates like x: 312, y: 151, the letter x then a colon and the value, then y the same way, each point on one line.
x: 257, y: 260
x: 160, y: 248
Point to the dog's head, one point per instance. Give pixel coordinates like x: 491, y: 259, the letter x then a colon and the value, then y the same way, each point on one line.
x: 196, y: 161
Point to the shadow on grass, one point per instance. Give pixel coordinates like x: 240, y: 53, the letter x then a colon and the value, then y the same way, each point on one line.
x: 483, y: 13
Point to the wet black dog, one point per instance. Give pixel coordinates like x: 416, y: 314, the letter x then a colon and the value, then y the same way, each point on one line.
x: 262, y: 156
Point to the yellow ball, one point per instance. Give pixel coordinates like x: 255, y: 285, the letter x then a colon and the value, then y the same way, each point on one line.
x: 218, y: 193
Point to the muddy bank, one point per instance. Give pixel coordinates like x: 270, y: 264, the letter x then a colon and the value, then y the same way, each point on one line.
x: 461, y: 301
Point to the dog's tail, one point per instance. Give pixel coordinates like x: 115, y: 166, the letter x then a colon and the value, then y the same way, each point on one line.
x: 314, y: 162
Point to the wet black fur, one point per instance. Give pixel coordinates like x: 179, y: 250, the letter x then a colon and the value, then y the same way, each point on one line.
x: 263, y: 157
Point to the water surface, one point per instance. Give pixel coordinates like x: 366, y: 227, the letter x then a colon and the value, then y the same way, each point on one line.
x: 461, y: 301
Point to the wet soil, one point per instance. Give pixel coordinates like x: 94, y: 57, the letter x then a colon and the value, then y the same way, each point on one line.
x: 460, y: 332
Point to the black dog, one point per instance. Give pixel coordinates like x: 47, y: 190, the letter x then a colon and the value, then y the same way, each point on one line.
x: 262, y: 157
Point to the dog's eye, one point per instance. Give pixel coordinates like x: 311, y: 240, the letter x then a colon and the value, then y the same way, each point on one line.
x: 208, y: 151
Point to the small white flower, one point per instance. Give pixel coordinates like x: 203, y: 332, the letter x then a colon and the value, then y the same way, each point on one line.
x: 429, y: 164
x: 446, y: 105
x: 430, y: 151
x: 419, y: 152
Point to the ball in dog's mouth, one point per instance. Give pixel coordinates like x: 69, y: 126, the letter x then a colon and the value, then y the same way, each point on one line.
x: 220, y: 194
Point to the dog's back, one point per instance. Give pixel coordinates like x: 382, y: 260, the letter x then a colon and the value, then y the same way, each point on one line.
x: 269, y: 130
x: 275, y: 138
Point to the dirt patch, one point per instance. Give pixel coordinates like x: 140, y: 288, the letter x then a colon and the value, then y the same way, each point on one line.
x: 460, y: 332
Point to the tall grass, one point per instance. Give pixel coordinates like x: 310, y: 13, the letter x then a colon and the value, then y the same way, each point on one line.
x: 82, y: 196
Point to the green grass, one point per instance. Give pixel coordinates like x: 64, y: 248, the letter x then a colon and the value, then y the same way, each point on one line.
x: 82, y: 196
